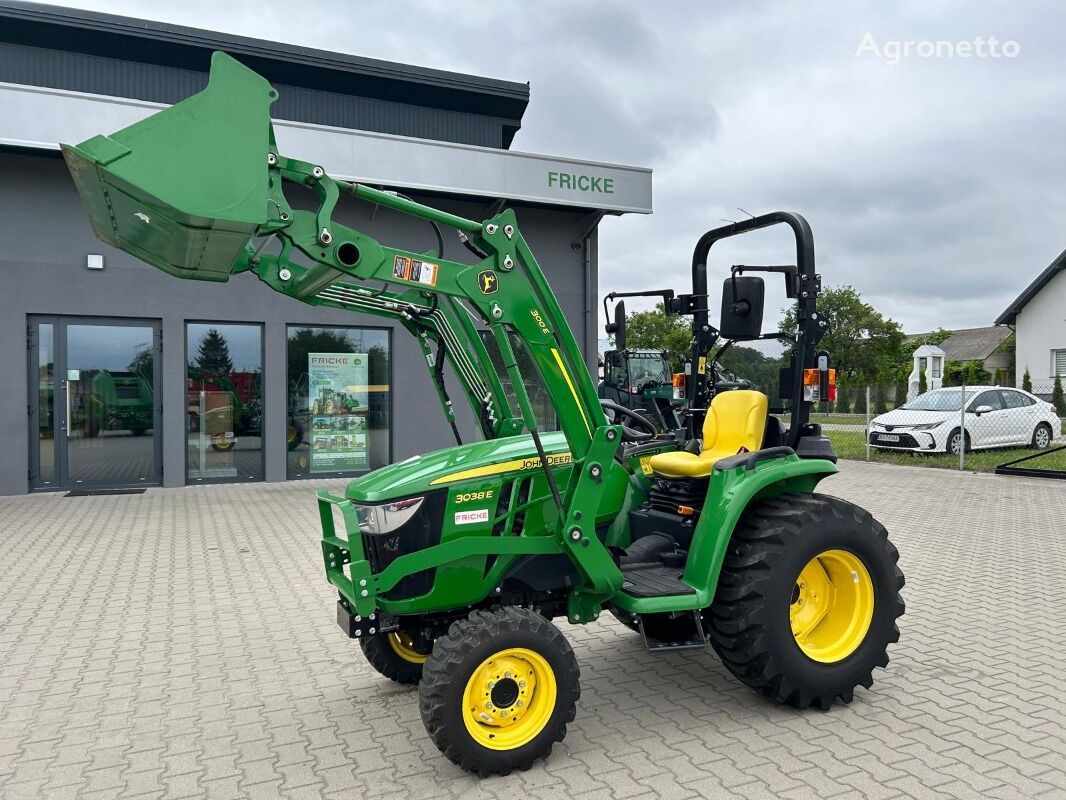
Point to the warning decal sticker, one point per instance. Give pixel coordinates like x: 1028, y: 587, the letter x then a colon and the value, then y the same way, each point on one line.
x: 423, y: 272
x: 412, y: 269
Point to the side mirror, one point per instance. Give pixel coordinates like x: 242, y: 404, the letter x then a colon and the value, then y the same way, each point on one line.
x: 982, y: 410
x: 618, y: 327
x: 742, y: 307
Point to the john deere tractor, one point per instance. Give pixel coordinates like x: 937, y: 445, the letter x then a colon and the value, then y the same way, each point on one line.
x: 642, y: 380
x: 450, y: 567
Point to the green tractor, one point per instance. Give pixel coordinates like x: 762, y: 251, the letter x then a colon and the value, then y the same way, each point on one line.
x: 114, y: 400
x: 644, y: 380
x: 450, y: 566
x: 641, y: 380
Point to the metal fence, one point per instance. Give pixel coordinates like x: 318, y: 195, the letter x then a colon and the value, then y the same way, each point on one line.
x: 978, y: 428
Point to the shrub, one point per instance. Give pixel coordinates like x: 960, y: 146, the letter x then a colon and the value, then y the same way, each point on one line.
x: 1057, y: 398
x: 860, y: 396
x: 842, y: 404
x: 923, y: 383
x: 879, y: 399
x: 902, y: 386
x: 1027, y: 381
x: 999, y: 377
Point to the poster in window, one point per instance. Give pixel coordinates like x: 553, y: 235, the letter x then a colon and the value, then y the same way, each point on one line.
x: 337, y: 397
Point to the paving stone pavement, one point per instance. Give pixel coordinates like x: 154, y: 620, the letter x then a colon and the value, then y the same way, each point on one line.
x: 181, y: 643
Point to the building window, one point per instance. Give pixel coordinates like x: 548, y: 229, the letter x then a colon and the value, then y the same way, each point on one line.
x: 1058, y: 363
x: 539, y: 399
x: 224, y: 400
x: 339, y: 402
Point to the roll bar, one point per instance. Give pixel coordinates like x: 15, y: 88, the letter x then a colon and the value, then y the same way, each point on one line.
x: 811, y: 324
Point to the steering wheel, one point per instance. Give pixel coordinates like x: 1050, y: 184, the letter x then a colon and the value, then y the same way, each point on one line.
x: 646, y: 429
x: 649, y: 383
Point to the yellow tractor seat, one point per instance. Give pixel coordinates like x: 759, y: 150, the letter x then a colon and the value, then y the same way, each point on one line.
x: 735, y: 422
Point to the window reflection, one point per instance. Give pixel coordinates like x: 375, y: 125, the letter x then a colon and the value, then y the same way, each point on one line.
x: 224, y: 401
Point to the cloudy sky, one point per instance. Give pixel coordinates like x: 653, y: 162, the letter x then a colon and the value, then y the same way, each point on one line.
x: 935, y: 186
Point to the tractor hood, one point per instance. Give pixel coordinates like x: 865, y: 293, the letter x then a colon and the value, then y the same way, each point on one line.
x: 420, y: 474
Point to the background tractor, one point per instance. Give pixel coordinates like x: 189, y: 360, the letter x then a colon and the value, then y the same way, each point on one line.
x: 641, y: 380
x: 450, y: 566
x: 648, y: 381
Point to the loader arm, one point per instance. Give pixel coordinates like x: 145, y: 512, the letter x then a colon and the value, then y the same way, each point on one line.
x: 197, y: 190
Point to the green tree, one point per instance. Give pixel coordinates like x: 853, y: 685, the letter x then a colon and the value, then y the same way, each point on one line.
x: 860, y: 394
x: 843, y: 406
x: 1027, y: 381
x: 859, y: 338
x: 879, y: 398
x: 1057, y: 398
x: 902, y: 387
x: 143, y: 365
x: 999, y: 377
x: 761, y: 370
x: 318, y: 340
x: 656, y: 330
x: 923, y: 382
x: 212, y: 356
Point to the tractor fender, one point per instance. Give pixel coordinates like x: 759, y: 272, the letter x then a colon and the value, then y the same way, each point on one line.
x: 735, y: 484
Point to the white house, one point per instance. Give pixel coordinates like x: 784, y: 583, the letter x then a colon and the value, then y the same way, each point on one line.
x: 1038, y: 317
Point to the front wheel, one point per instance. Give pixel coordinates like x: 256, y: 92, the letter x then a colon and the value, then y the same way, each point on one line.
x: 499, y: 690
x: 397, y: 656
x: 957, y: 440
x: 1042, y: 437
x: 807, y: 600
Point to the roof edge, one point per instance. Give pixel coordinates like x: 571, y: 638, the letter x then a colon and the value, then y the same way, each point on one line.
x: 263, y: 48
x: 1009, y: 316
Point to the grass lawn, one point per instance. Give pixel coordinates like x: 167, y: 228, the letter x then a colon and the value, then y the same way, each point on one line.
x: 833, y: 419
x: 852, y: 445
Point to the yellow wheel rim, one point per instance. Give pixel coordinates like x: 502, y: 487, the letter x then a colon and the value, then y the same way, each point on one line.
x: 404, y: 646
x: 832, y: 606
x: 509, y: 699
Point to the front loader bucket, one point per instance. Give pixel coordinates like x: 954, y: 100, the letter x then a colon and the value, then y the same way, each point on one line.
x: 186, y: 188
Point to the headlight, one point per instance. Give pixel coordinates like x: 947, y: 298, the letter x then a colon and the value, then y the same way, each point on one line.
x: 387, y: 517
x: 926, y: 426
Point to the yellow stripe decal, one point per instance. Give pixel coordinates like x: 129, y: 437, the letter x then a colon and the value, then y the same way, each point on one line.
x: 573, y: 391
x: 554, y: 459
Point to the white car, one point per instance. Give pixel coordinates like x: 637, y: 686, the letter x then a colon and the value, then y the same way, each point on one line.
x: 995, y: 417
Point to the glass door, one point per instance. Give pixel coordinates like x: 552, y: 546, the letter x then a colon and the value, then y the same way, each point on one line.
x: 42, y: 404
x: 96, y: 408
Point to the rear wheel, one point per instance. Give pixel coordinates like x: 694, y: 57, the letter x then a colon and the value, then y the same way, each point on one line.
x: 396, y: 655
x: 1042, y: 437
x: 499, y: 690
x: 807, y: 600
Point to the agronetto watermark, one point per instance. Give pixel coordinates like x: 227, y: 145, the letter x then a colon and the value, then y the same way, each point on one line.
x: 894, y: 51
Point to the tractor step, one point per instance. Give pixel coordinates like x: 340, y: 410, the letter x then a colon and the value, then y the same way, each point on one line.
x: 697, y: 642
x: 653, y: 579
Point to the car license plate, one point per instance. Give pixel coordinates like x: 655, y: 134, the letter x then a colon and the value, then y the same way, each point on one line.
x: 888, y: 437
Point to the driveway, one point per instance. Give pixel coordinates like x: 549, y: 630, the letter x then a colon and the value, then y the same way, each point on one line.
x: 181, y: 643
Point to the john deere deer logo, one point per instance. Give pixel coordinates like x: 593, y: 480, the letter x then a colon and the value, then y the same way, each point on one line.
x: 487, y: 281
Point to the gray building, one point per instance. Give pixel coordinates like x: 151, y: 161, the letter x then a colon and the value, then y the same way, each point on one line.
x: 117, y: 375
